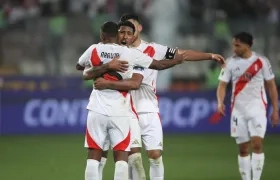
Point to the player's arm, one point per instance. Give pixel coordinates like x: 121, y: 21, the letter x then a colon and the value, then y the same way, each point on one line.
x: 221, y: 92
x: 272, y: 90
x: 97, y: 71
x: 164, y: 64
x: 191, y: 55
x: 273, y: 93
x: 132, y: 83
x: 224, y: 78
x: 80, y: 67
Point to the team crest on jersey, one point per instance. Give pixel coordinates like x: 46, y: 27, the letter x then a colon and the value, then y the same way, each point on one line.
x: 256, y: 67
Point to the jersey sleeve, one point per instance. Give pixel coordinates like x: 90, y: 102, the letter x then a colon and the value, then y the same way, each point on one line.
x: 137, y: 58
x: 163, y: 52
x: 84, y: 60
x: 267, y: 70
x: 225, y: 74
x: 138, y: 70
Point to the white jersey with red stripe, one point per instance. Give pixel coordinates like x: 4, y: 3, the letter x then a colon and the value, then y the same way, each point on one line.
x: 144, y: 98
x: 248, y: 77
x: 112, y: 102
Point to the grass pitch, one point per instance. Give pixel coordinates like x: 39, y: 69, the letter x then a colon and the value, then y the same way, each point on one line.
x: 186, y: 157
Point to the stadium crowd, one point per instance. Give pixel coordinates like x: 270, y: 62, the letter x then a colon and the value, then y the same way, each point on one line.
x: 43, y: 33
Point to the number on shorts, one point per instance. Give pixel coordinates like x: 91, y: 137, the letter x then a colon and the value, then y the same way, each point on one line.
x: 235, y: 120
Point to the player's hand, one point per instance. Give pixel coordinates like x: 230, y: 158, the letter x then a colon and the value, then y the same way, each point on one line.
x: 101, y: 83
x: 221, y: 109
x: 275, y: 118
x: 219, y: 58
x: 118, y: 65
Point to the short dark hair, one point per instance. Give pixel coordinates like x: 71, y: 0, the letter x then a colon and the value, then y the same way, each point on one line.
x: 128, y: 16
x: 244, y: 37
x: 128, y: 24
x: 110, y: 29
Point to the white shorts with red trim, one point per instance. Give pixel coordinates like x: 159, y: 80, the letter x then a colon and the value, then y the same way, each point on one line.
x: 99, y: 127
x: 135, y: 135
x: 244, y: 127
x: 151, y: 130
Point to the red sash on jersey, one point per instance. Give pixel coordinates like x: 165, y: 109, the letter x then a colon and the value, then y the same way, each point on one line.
x: 245, y: 78
x: 240, y: 84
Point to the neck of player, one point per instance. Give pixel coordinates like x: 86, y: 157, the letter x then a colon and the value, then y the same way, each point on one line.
x: 247, y: 55
x: 136, y: 43
x: 110, y: 41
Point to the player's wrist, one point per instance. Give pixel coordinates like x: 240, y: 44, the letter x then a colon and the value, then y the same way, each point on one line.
x: 108, y: 66
x: 211, y: 56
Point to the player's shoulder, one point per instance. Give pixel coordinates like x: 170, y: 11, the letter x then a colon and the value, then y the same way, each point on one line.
x: 261, y: 57
x: 232, y: 59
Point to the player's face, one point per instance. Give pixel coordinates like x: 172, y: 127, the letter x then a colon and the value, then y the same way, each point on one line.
x: 239, y: 47
x: 138, y: 27
x: 125, y: 35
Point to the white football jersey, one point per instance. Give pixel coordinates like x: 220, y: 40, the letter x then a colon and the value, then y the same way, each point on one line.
x: 248, y: 77
x: 144, y: 98
x: 112, y: 102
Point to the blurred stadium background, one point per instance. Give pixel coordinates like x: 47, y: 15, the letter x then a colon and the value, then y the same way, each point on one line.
x: 42, y: 115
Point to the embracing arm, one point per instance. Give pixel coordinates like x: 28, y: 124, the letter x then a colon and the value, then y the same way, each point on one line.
x: 123, y: 85
x: 98, y: 71
x: 95, y: 72
x: 164, y: 64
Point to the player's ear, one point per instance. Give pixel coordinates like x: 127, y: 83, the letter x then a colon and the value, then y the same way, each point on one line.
x: 101, y: 36
x: 140, y: 27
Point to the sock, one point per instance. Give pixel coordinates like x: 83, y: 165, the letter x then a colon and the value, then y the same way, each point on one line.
x: 121, y: 170
x: 245, y: 167
x: 101, y: 167
x: 92, y: 170
x: 156, y: 169
x: 257, y: 165
x: 136, y: 168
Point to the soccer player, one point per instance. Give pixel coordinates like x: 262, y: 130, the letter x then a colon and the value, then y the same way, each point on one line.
x: 248, y: 73
x: 109, y: 110
x: 146, y: 104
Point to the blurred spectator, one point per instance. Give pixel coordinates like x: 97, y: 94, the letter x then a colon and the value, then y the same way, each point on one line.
x: 212, y: 75
x: 221, y: 32
x: 125, y: 6
x: 31, y: 13
x: 101, y: 16
x: 197, y: 14
x: 3, y: 23
x: 56, y: 31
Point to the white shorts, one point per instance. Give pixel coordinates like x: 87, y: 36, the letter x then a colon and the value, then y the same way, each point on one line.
x: 243, y: 128
x: 99, y: 127
x: 151, y: 130
x: 135, y: 135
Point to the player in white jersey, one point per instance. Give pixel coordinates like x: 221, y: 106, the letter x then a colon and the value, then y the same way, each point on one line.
x: 109, y: 110
x: 146, y: 104
x: 248, y: 72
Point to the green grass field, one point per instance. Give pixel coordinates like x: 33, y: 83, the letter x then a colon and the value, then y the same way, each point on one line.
x: 186, y: 157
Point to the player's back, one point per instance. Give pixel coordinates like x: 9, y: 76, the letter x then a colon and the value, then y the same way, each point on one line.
x: 248, y: 76
x: 113, y: 102
x: 145, y: 99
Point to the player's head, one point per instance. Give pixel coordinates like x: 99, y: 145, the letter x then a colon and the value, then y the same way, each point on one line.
x: 136, y: 22
x: 126, y: 33
x: 242, y: 43
x: 109, y: 32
